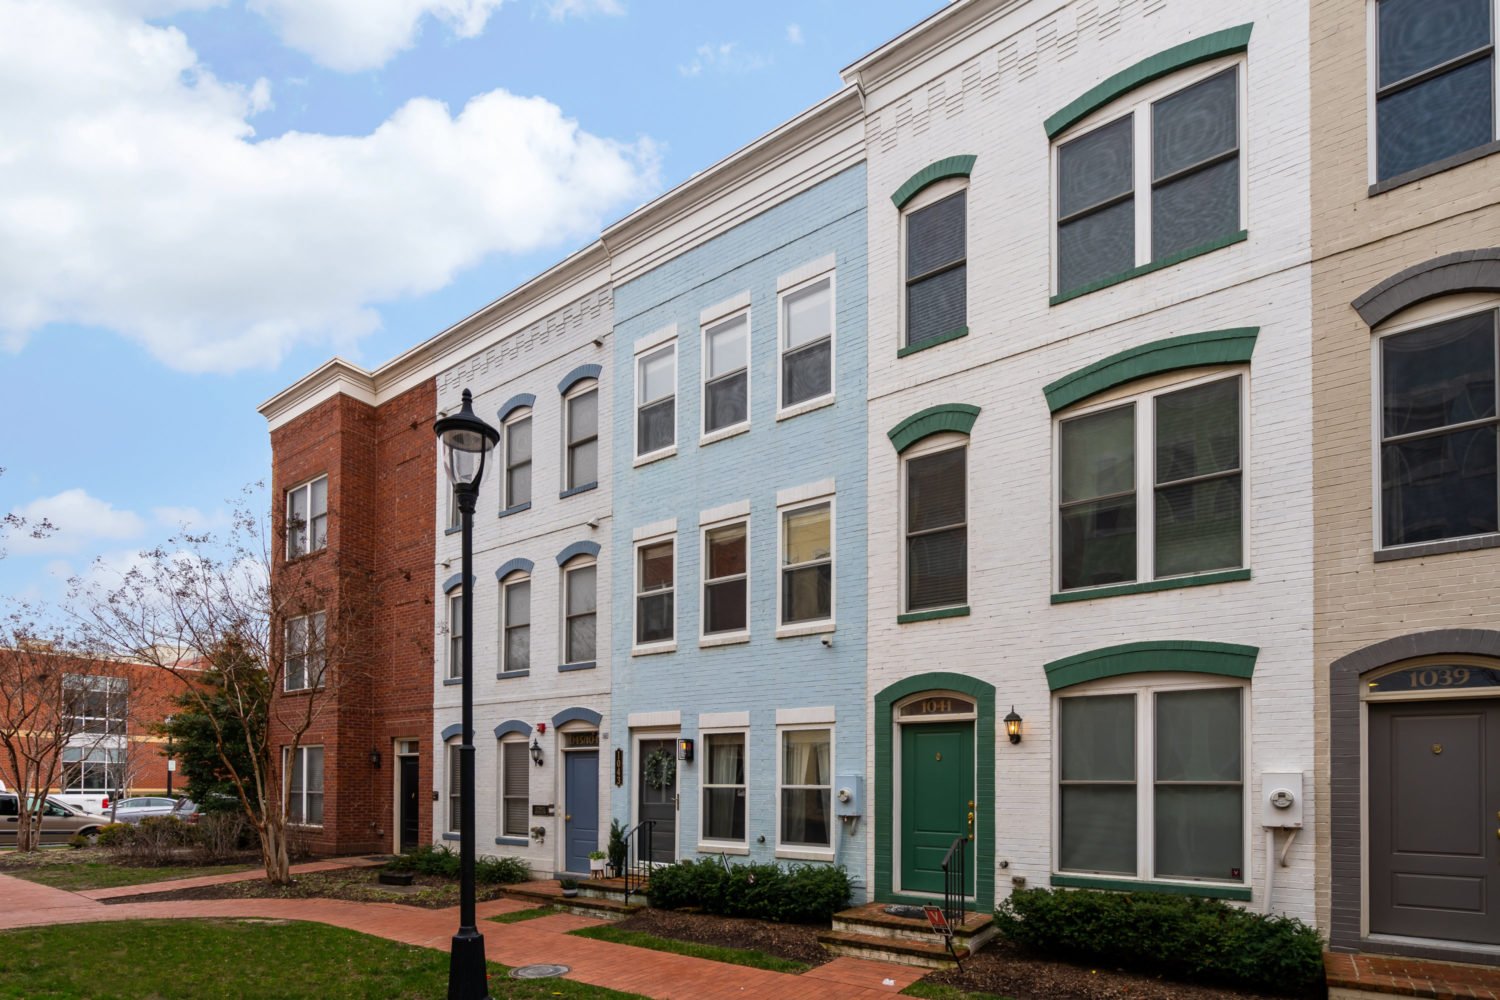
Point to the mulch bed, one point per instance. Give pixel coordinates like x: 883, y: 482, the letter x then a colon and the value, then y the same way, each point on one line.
x: 355, y: 884
x: 797, y: 942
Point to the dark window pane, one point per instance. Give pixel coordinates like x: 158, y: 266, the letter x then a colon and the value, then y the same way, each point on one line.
x: 1438, y: 118
x: 1096, y: 167
x: 1198, y: 526
x: 580, y: 639
x: 935, y: 490
x: 1195, y: 209
x: 1442, y: 486
x: 727, y: 401
x: 1198, y: 431
x: 937, y: 570
x: 1419, y: 34
x: 1200, y: 831
x: 935, y: 235
x: 583, y: 464
x: 658, y: 426
x: 1098, y: 454
x: 583, y: 417
x: 654, y: 618
x: 1098, y: 829
x: 1439, y: 375
x: 937, y: 305
x: 724, y: 810
x: 804, y: 816
x: 1198, y: 735
x: 518, y: 648
x: 1195, y: 124
x: 1098, y: 543
x: 1098, y: 738
x: 806, y: 594
x: 807, y: 373
x: 1096, y: 246
x: 518, y: 485
x: 725, y: 607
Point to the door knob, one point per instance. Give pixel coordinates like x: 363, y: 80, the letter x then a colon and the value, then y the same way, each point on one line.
x: 568, y: 817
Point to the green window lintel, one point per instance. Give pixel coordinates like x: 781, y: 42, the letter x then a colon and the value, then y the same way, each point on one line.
x: 1190, y: 350
x: 957, y: 417
x: 1172, y: 656
x: 948, y: 166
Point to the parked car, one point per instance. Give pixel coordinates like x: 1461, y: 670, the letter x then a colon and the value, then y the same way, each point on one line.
x: 188, y: 811
x: 133, y: 810
x: 59, y: 821
x: 92, y: 803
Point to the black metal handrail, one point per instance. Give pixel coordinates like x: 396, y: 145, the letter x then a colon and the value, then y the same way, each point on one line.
x: 636, y: 874
x: 955, y: 884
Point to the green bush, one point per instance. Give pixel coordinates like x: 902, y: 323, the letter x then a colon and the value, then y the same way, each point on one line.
x: 1181, y: 937
x: 804, y: 894
x: 500, y: 871
x: 443, y: 861
x: 114, y: 835
x: 78, y: 841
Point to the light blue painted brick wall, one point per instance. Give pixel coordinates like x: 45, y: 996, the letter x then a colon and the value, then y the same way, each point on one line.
x: 767, y: 673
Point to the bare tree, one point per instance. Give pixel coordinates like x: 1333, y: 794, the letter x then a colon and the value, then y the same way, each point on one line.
x: 211, y: 612
x: 14, y: 524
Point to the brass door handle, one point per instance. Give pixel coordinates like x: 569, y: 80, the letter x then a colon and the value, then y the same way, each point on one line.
x: 568, y: 817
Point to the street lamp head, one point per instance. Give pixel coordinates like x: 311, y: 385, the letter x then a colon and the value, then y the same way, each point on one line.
x: 465, y: 439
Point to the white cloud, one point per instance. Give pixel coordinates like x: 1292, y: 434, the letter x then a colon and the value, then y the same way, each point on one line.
x: 78, y: 518
x: 561, y: 10
x: 134, y: 197
x: 190, y: 519
x: 351, y: 35
x: 794, y: 34
x: 725, y: 57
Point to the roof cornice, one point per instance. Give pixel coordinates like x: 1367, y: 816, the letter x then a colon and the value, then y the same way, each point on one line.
x: 951, y: 24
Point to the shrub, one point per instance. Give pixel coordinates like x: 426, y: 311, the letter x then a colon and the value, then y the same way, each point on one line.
x: 77, y: 841
x: 219, y: 837
x: 616, y: 847
x: 427, y: 859
x: 155, y: 840
x: 114, y: 835
x: 500, y: 871
x: 799, y: 894
x: 1182, y: 937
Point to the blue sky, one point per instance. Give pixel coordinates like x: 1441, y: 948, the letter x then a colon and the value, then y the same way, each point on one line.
x: 202, y: 200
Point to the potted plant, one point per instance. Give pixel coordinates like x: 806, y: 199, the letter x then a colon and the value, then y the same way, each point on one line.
x: 596, y: 863
x: 569, y: 887
x: 616, y: 848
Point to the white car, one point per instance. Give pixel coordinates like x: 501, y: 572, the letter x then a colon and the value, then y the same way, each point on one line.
x: 92, y: 803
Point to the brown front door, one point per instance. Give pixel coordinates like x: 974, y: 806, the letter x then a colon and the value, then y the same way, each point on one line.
x: 1435, y: 819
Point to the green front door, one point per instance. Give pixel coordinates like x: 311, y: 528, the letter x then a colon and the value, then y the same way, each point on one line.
x: 937, y: 789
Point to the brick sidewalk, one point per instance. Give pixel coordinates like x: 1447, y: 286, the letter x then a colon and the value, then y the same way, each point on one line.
x: 599, y: 963
x: 1412, y: 977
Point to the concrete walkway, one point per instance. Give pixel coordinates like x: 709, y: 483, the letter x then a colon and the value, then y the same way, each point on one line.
x: 600, y: 963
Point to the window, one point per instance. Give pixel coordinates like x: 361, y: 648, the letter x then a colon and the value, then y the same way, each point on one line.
x: 1182, y: 197
x: 807, y: 342
x: 726, y: 374
x: 654, y: 586
x: 724, y: 788
x: 937, y: 269
x: 656, y: 400
x: 515, y: 623
x: 937, y: 534
x: 97, y: 704
x: 306, y: 804
x: 1438, y: 431
x: 96, y: 769
x: 1152, y: 783
x: 455, y: 788
x: 807, y: 564
x: 305, y: 646
x: 307, y: 518
x: 518, y: 461
x: 456, y: 636
x: 579, y: 612
x: 1435, y: 82
x: 806, y: 788
x: 515, y: 775
x: 583, y: 438
x: 1119, y: 519
x: 455, y: 516
x: 726, y: 574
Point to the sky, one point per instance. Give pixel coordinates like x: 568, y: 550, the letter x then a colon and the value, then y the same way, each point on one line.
x: 203, y: 200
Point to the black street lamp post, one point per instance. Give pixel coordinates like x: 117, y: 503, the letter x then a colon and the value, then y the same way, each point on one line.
x: 466, y: 439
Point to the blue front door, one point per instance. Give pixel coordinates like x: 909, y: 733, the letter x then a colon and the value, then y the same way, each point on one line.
x: 581, y: 815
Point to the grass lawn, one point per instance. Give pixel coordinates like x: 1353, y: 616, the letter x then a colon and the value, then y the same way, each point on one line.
x: 519, y: 915
x: 714, y: 953
x: 235, y: 958
x: 106, y: 875
x: 937, y: 991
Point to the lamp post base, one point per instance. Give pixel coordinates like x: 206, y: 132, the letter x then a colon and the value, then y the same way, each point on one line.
x: 468, y: 975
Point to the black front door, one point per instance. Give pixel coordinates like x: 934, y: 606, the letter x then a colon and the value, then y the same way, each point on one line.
x: 407, y: 796
x: 656, y: 776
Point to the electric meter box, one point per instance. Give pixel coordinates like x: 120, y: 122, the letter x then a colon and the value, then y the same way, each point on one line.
x: 1281, y: 799
x: 849, y: 795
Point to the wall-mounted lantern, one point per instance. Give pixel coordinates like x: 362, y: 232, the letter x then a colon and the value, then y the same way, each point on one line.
x: 1013, y: 725
x: 685, y: 751
x: 536, y: 752
x: 375, y: 759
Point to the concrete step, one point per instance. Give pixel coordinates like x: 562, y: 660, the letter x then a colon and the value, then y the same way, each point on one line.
x: 871, y: 920
x: 931, y: 954
x: 551, y: 894
x: 1380, y: 977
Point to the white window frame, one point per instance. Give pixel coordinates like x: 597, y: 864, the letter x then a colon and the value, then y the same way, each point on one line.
x: 509, y: 744
x: 1139, y: 103
x: 706, y: 843
x: 514, y: 579
x: 783, y: 508
x: 808, y: 852
x: 1143, y: 395
x: 455, y: 634
x: 705, y: 637
x: 934, y: 445
x: 455, y: 517
x: 116, y: 717
x: 317, y: 624
x: 653, y: 347
x: 1441, y: 310
x: 573, y: 565
x: 308, y: 531
x: 507, y: 502
x: 784, y: 411
x: 583, y: 388
x: 453, y: 786
x: 930, y: 195
x: 1145, y: 687
x: 707, y: 436
x: 638, y: 648
x: 293, y: 793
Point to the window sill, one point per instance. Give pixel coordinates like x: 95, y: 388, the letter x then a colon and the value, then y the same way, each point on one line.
x: 513, y: 841
x: 724, y: 432
x: 452, y: 836
x: 807, y: 628
x: 1155, y: 265
x: 655, y: 456
x: 293, y: 692
x: 304, y: 555
x: 563, y: 668
x: 708, y: 847
x: 506, y: 675
x: 804, y: 854
x: 934, y: 614
x: 1418, y: 550
x: 452, y: 681
x: 507, y: 512
x: 578, y: 489
x: 654, y: 649
x: 1151, y: 586
x: 453, y: 530
x: 1421, y: 173
x: 728, y: 639
x: 1235, y: 892
x: 951, y: 335
x: 806, y: 406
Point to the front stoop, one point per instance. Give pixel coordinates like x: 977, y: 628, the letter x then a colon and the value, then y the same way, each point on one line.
x: 869, y: 932
x: 604, y: 906
x: 1378, y: 977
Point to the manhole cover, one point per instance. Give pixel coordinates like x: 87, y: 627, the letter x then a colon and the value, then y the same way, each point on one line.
x: 910, y: 912
x: 538, y: 971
